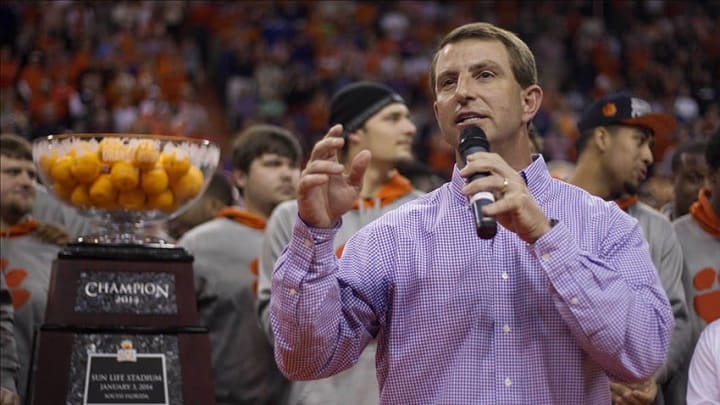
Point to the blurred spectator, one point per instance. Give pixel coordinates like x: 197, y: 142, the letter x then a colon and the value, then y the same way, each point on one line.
x: 689, y: 170
x: 266, y: 168
x: 561, y: 169
x: 704, y: 380
x: 218, y: 194
x: 278, y: 62
x: 27, y: 248
x: 8, y: 357
x: 422, y: 177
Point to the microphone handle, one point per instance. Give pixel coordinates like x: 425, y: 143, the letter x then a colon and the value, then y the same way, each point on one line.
x: 486, y: 226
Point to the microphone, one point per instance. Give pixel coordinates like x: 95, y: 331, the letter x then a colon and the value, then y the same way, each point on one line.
x: 473, y: 139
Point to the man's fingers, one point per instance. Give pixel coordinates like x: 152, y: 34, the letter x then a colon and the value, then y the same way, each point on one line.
x: 327, y: 148
x: 494, y: 183
x: 617, y: 388
x: 641, y: 397
x: 334, y: 131
x: 309, y: 181
x: 631, y: 399
x: 358, y: 167
x: 323, y: 166
x: 485, y: 162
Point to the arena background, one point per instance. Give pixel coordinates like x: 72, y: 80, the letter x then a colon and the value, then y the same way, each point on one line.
x: 210, y: 68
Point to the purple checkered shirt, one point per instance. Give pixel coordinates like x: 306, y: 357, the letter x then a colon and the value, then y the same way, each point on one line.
x: 462, y: 320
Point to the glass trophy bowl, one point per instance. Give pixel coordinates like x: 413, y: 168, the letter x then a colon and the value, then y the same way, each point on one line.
x: 125, y: 183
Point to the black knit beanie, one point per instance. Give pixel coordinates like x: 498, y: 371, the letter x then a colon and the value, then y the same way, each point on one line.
x: 357, y: 102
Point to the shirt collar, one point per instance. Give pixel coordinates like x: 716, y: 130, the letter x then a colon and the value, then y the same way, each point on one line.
x: 536, y: 176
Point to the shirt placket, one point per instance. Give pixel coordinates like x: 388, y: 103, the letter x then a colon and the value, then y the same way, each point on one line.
x: 507, y: 377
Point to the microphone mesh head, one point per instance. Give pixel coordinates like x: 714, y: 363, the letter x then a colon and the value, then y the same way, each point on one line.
x: 472, y: 137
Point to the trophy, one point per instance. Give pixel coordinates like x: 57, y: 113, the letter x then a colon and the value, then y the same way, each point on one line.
x: 121, y: 322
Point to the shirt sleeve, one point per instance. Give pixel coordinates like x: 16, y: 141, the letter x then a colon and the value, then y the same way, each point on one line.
x: 276, y: 237
x: 316, y: 309
x: 610, y: 296
x: 704, y: 374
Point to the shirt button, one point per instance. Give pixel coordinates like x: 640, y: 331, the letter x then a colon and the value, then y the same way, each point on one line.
x: 308, y: 243
x: 508, y: 382
x: 545, y: 257
x: 574, y: 300
x: 504, y: 275
x: 293, y: 291
x: 506, y: 328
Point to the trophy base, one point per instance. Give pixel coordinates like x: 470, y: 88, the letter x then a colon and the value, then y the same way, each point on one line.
x: 128, y: 365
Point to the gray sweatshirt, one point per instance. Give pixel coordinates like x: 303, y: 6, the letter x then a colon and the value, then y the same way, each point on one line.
x: 667, y: 255
x: 8, y: 355
x: 27, y: 261
x: 242, y: 358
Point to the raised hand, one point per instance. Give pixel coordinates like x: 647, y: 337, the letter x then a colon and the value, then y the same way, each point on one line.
x: 325, y: 191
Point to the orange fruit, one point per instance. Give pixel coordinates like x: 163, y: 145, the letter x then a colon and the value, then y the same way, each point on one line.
x: 61, y: 171
x: 146, y: 154
x: 102, y: 191
x: 164, y: 201
x: 113, y: 150
x: 154, y: 181
x: 124, y: 176
x: 188, y: 185
x: 86, y: 167
x: 176, y: 163
x: 62, y: 191
x: 80, y: 196
x: 131, y: 200
x: 47, y: 161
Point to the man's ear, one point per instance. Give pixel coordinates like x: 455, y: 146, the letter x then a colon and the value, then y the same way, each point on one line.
x: 355, y: 137
x: 239, y: 178
x: 532, y: 97
x: 601, y: 138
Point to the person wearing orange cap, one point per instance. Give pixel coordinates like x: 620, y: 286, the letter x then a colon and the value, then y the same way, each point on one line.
x: 614, y: 156
x: 376, y: 118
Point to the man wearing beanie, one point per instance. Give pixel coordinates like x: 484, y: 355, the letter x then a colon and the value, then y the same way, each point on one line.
x: 614, y: 155
x: 374, y: 117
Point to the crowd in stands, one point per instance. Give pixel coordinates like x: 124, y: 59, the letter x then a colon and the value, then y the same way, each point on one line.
x: 140, y: 66
x: 217, y: 69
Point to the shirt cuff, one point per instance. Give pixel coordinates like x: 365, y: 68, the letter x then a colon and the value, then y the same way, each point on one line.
x: 555, y: 250
x: 309, y: 248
